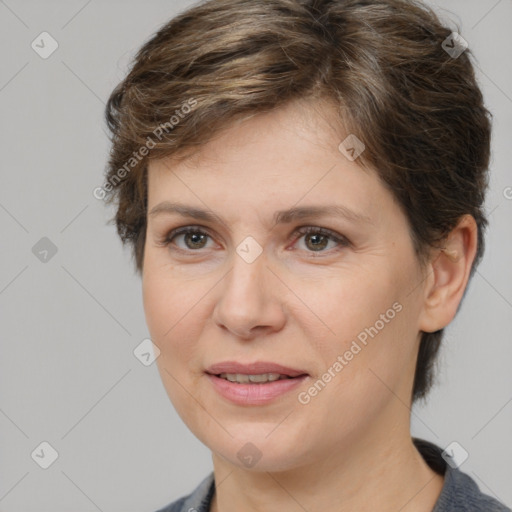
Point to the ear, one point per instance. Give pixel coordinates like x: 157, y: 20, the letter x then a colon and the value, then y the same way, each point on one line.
x: 448, y: 274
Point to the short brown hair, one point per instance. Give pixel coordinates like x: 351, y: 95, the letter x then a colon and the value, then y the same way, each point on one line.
x: 382, y: 64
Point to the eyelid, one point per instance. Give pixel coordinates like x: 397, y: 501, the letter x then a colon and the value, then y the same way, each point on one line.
x: 341, y: 240
x: 337, y: 237
x: 173, y: 233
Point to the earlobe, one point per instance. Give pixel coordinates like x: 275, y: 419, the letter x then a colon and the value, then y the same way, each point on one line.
x: 449, y: 272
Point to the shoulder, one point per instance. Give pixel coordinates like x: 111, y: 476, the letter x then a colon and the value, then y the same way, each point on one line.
x: 197, y: 501
x: 175, y: 506
x: 460, y: 492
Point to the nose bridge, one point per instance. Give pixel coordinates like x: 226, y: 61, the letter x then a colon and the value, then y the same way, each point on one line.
x: 245, y: 284
x: 246, y: 298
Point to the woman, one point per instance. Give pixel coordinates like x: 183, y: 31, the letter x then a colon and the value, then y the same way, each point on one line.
x: 302, y: 183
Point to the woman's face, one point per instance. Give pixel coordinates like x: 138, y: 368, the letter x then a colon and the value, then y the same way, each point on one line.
x: 338, y: 310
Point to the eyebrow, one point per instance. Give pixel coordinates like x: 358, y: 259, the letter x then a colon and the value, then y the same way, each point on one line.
x: 280, y: 217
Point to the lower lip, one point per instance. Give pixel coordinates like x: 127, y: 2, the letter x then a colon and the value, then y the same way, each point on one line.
x: 254, y: 394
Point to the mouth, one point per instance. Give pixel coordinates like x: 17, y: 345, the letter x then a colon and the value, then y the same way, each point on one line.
x: 258, y: 372
x: 262, y: 378
x: 254, y: 383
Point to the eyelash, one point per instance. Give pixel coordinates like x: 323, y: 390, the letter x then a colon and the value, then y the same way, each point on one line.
x: 305, y: 230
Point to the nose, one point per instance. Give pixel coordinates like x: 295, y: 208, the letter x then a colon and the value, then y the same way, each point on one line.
x: 249, y: 303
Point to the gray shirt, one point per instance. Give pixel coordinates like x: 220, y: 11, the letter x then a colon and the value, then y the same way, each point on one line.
x: 460, y: 492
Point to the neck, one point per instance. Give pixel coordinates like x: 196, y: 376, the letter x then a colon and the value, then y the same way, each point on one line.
x: 386, y: 473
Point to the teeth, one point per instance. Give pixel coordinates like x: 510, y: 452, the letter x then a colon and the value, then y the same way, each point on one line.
x: 244, y: 379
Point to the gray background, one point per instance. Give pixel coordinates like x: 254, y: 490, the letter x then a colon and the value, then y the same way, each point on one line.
x: 69, y: 325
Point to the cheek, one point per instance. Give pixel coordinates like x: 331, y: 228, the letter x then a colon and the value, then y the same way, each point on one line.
x: 370, y: 323
x: 157, y: 307
x: 369, y: 356
x: 348, y: 303
x: 171, y: 310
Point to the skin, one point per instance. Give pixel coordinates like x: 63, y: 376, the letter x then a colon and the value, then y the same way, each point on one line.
x: 350, y: 447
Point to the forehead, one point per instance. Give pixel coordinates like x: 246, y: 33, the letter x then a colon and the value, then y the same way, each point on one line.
x: 276, y: 160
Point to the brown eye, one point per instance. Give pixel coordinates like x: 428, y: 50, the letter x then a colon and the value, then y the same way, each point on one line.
x: 192, y: 237
x: 318, y: 239
x: 315, y: 241
x: 194, y: 240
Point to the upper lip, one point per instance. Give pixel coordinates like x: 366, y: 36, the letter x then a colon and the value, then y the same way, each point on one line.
x: 257, y: 368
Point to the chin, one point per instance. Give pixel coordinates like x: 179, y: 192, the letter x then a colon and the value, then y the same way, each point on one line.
x: 253, y: 449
